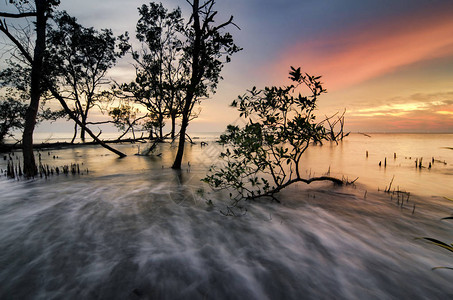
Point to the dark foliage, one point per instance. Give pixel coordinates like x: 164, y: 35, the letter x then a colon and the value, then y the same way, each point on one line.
x: 264, y: 156
x: 12, y: 114
x: 77, y: 60
x: 161, y: 68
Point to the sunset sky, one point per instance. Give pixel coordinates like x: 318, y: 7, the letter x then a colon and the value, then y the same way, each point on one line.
x: 388, y: 62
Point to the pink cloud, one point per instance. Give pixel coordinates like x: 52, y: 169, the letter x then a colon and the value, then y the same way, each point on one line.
x: 363, y: 53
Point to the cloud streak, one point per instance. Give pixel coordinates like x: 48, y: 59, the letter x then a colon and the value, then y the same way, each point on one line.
x: 434, y: 114
x: 356, y: 55
x: 406, y: 108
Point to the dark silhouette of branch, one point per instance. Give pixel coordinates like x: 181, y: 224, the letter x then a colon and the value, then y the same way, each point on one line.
x: 4, y: 29
x: 230, y: 21
x: 271, y: 193
x: 99, y: 123
x: 19, y: 15
x: 74, y: 117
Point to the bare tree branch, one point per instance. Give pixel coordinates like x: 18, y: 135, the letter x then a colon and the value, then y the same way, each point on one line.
x: 19, y: 15
x: 230, y: 21
x: 4, y: 29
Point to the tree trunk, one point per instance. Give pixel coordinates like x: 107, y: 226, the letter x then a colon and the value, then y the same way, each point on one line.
x: 75, y: 134
x: 185, y: 121
x: 173, y: 125
x: 161, y: 126
x: 182, y: 140
x: 30, y: 169
x: 82, y: 129
x: 194, y: 81
x: 82, y: 134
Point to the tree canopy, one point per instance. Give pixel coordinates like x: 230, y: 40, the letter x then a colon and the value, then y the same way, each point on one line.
x: 160, y: 65
x: 78, y: 59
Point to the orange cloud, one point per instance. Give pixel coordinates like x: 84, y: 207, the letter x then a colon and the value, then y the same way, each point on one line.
x: 399, y: 109
x: 416, y: 113
x: 361, y: 54
x: 435, y: 116
x: 444, y: 112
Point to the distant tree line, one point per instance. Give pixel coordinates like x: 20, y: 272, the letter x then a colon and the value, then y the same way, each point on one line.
x: 60, y: 61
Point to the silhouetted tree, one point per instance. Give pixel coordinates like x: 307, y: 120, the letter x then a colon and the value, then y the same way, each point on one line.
x: 207, y: 48
x: 178, y: 64
x: 161, y: 67
x: 41, y: 10
x: 126, y: 118
x: 264, y: 156
x: 78, y: 60
x: 39, y: 82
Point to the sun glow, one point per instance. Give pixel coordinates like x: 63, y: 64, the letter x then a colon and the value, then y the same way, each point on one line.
x: 444, y: 112
x: 398, y: 109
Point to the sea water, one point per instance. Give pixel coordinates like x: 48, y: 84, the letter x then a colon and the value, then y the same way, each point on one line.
x: 133, y: 228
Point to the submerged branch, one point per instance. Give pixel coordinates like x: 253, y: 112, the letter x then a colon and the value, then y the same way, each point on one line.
x: 271, y: 193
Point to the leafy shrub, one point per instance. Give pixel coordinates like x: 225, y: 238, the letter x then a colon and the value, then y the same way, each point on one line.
x: 264, y: 156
